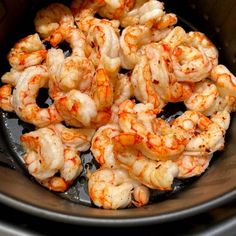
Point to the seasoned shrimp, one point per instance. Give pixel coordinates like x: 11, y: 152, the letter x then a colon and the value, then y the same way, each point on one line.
x: 77, y: 109
x: 53, y: 21
x: 46, y: 155
x: 79, y: 139
x: 6, y: 98
x: 113, y: 189
x: 102, y: 145
x: 144, y: 13
x: 210, y: 138
x: 73, y: 72
x: 203, y: 98
x: 143, y: 87
x: 70, y: 170
x: 115, y: 9
x: 85, y: 19
x: 131, y: 40
x: 190, y: 166
x: 27, y: 52
x: 164, y: 81
x: 25, y: 94
x: 106, y: 47
x: 194, y: 57
x: 153, y: 174
x: 224, y: 80
x: 139, y: 131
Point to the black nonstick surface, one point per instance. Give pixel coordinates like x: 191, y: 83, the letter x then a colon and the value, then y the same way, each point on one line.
x: 218, y: 182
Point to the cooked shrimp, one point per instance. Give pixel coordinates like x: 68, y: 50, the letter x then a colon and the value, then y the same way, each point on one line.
x: 25, y: 94
x: 130, y: 119
x: 6, y: 98
x: 203, y: 98
x: 77, y: 109
x: 106, y: 47
x: 102, y: 145
x: 164, y: 81
x: 194, y: 58
x: 190, y: 166
x: 210, y: 138
x: 27, y: 52
x: 46, y: 155
x: 153, y: 174
x: 76, y: 70
x: 85, y: 19
x: 113, y: 189
x: 140, y: 133
x: 224, y: 80
x: 79, y: 139
x: 144, y: 13
x: 166, y: 21
x: 131, y: 40
x: 53, y: 21
x: 143, y: 87
x: 115, y: 9
x: 11, y: 77
x: 70, y: 170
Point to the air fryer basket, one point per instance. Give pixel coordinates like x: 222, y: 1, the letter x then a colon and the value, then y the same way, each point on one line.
x: 217, y: 19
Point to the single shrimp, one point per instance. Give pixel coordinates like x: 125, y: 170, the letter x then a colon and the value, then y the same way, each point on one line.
x: 190, y: 166
x: 210, y: 138
x: 25, y: 94
x: 77, y: 109
x: 131, y: 40
x: 53, y: 21
x: 106, y: 48
x: 203, y: 98
x: 44, y: 153
x: 27, y: 52
x: 6, y: 98
x: 113, y: 189
x: 224, y: 80
x: 164, y: 81
x: 79, y: 139
x: 75, y: 71
x: 46, y: 156
x: 131, y: 121
x: 153, y: 174
x: 194, y: 57
x: 143, y: 86
x: 102, y: 145
x: 143, y: 13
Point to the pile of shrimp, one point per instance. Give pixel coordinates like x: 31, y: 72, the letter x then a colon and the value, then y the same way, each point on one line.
x: 128, y: 60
